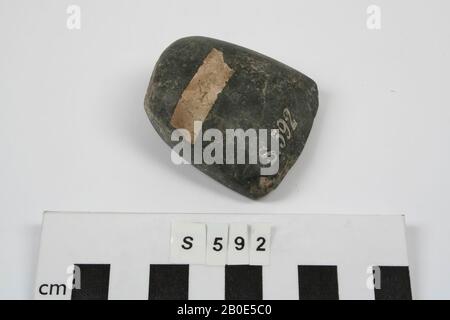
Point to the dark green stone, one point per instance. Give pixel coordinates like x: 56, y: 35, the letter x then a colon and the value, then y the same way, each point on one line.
x: 255, y: 96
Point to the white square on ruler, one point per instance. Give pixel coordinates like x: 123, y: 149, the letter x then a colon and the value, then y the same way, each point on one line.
x: 238, y: 245
x: 216, y: 244
x: 188, y: 243
x: 260, y: 244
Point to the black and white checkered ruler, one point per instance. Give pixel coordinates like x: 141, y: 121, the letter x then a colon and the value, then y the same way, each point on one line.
x: 222, y: 256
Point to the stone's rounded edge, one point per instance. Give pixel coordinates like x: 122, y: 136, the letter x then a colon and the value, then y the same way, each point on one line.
x: 150, y: 106
x: 147, y: 98
x: 270, y: 183
x: 226, y: 43
x: 230, y: 184
x: 315, y: 94
x: 188, y: 39
x: 317, y: 98
x: 148, y: 103
x: 256, y: 191
x: 159, y: 128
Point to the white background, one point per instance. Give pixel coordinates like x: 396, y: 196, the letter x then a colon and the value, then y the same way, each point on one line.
x: 74, y: 134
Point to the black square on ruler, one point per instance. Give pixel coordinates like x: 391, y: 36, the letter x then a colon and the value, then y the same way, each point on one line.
x: 169, y: 282
x: 318, y: 283
x: 394, y: 283
x: 94, y: 282
x: 243, y: 282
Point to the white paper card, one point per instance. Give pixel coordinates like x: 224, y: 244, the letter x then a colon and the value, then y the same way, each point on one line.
x: 130, y: 243
x: 238, y: 246
x: 188, y: 243
x: 217, y: 244
x: 260, y: 244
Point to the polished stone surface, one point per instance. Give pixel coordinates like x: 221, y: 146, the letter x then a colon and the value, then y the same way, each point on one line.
x: 227, y: 87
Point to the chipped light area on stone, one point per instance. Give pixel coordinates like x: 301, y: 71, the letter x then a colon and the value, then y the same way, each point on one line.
x: 201, y: 93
